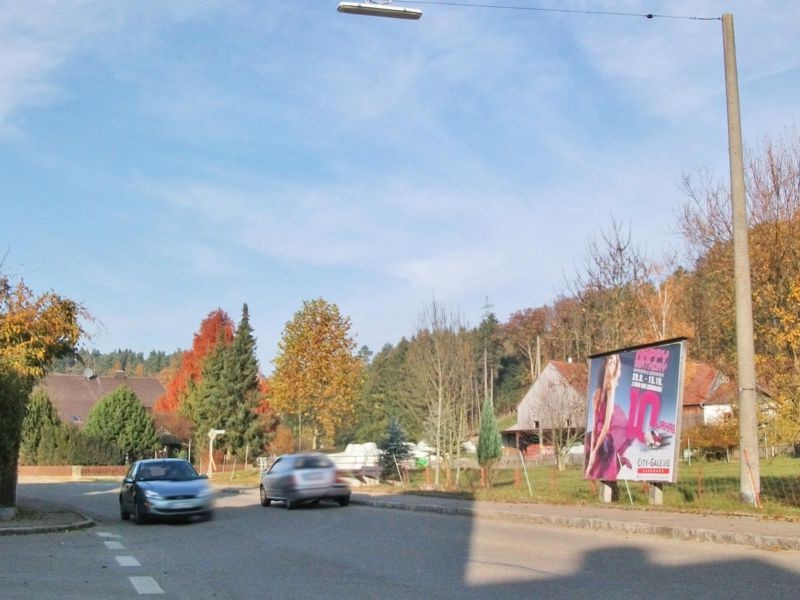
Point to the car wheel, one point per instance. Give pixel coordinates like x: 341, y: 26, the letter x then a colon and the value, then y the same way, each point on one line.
x: 138, y: 515
x: 123, y: 514
x: 265, y: 501
x: 291, y: 505
x: 344, y: 501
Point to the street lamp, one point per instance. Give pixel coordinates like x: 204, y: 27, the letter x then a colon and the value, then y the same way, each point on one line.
x: 749, y: 472
x: 379, y: 9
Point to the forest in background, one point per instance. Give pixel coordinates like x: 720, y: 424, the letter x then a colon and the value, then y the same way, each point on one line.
x: 156, y: 364
x: 435, y: 380
x: 621, y: 296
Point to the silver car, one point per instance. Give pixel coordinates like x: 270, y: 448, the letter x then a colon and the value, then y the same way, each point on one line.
x: 302, y: 477
x: 164, y: 487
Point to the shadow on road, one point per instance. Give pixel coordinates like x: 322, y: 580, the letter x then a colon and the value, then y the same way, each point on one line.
x: 364, y: 552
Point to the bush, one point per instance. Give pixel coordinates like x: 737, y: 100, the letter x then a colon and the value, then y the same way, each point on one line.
x: 41, y: 419
x: 121, y: 419
x: 68, y: 445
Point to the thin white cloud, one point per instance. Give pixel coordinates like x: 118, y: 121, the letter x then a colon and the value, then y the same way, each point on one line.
x: 40, y: 38
x: 453, y: 274
x: 376, y: 162
x: 25, y: 74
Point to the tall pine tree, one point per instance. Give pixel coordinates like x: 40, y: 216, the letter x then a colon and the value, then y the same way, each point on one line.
x: 244, y: 394
x: 203, y: 403
x: 228, y: 394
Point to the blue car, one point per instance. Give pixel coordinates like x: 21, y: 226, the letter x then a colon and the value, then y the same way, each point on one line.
x: 162, y: 488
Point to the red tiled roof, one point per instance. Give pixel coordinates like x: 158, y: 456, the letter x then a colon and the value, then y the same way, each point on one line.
x: 704, y: 384
x: 74, y: 396
x: 726, y: 393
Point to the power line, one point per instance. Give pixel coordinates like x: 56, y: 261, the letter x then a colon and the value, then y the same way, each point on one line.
x: 560, y: 10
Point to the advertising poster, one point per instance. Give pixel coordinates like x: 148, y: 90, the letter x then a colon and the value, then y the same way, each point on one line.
x: 633, y: 416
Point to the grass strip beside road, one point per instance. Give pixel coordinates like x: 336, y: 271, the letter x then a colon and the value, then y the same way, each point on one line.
x: 711, y: 487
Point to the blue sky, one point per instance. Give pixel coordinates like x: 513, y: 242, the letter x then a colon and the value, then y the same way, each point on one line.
x: 163, y: 159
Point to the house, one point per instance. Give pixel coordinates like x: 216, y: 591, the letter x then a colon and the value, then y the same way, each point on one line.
x: 74, y: 396
x: 556, y: 401
x: 707, y: 395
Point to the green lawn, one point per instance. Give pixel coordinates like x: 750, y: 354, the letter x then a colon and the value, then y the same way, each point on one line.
x: 703, y: 486
x: 506, y: 421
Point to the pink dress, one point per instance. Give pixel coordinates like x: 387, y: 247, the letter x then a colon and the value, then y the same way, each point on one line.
x: 612, y: 451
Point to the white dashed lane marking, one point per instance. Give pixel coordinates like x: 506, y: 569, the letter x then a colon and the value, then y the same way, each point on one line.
x: 106, y: 534
x: 143, y: 585
x: 127, y: 561
x: 146, y: 585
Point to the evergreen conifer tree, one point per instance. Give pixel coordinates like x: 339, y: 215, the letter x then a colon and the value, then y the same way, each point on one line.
x: 120, y: 417
x: 243, y: 371
x: 394, y: 449
x: 228, y: 394
x: 490, y: 446
x: 206, y: 400
x: 41, y: 420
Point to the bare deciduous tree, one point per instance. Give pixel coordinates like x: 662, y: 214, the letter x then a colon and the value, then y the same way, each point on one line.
x: 442, y: 367
x: 608, y: 287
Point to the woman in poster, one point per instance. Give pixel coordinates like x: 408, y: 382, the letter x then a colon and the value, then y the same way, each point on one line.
x: 608, y: 441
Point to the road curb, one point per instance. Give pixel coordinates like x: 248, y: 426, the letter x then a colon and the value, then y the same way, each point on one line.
x: 84, y: 523
x: 763, y: 542
x: 237, y: 490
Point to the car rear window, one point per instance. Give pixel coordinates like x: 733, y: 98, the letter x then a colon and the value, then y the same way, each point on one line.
x: 313, y: 462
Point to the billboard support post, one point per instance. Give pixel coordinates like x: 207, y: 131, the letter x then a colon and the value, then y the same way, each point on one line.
x: 656, y: 494
x: 608, y: 491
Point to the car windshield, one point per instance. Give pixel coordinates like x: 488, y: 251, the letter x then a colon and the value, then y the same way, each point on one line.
x: 174, y: 471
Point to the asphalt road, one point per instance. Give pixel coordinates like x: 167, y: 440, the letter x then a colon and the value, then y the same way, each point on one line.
x: 327, y: 551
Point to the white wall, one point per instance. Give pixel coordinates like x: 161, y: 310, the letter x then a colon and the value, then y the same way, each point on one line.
x: 711, y: 412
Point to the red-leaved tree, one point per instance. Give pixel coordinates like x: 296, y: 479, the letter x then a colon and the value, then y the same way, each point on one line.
x: 216, y: 328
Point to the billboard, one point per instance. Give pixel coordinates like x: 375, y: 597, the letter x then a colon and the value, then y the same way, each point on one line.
x: 633, y: 413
